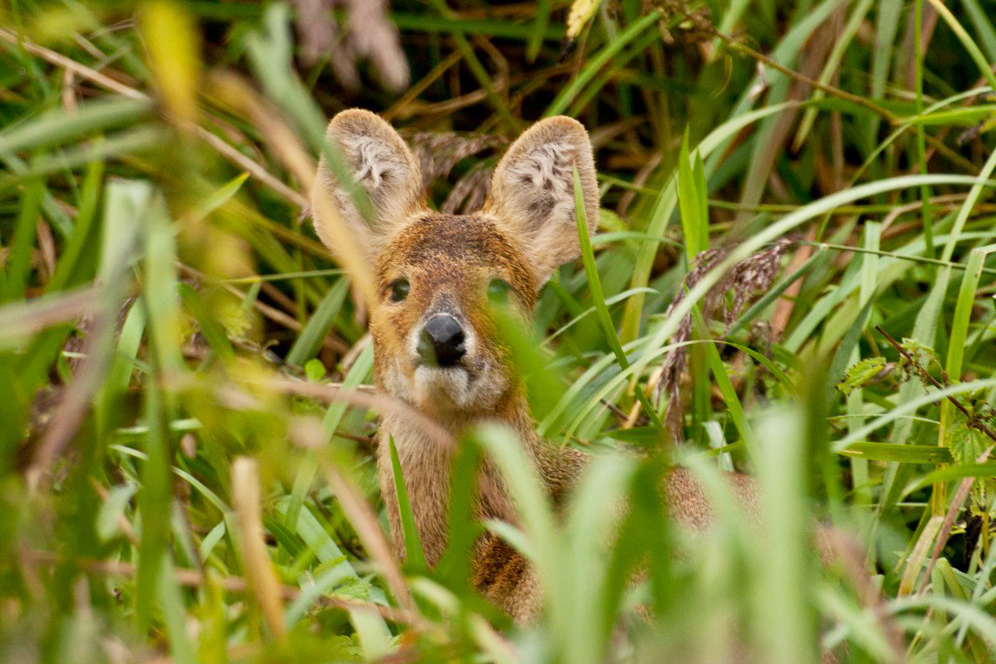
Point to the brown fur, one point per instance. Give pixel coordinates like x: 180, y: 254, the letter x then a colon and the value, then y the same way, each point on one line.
x: 525, y: 230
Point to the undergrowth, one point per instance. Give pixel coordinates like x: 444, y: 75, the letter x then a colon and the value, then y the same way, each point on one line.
x: 795, y: 270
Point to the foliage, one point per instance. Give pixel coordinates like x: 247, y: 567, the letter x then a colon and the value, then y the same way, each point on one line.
x: 185, y: 451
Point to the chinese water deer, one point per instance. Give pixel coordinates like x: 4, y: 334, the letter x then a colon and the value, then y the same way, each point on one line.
x: 435, y: 343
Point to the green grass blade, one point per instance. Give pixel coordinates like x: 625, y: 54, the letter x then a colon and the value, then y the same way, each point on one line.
x: 927, y: 454
x: 726, y: 388
x: 777, y: 229
x: 910, y: 408
x: 413, y: 542
x: 785, y: 623
x: 664, y: 207
x: 181, y: 649
x: 309, y: 341
x: 966, y: 208
x: 81, y: 238
x: 841, y: 43
x: 691, y: 191
x: 15, y: 280
x: 584, y: 77
x: 593, y: 517
x: 985, y: 68
x: 539, y: 28
x: 308, y: 471
x: 963, y: 310
x: 60, y: 126
x: 983, y: 25
x: 598, y: 297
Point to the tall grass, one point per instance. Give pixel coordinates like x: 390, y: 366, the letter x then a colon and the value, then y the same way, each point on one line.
x: 186, y: 424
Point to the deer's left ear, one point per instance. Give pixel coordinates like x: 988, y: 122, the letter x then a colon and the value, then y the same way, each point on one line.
x: 532, y: 191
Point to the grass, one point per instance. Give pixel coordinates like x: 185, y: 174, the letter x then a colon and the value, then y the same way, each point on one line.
x: 186, y: 465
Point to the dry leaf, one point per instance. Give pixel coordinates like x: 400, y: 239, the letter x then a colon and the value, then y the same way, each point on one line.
x: 581, y: 13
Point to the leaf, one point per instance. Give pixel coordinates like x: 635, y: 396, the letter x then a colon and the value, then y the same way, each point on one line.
x: 598, y: 297
x: 898, y: 452
x: 413, y: 542
x: 693, y: 201
x: 314, y: 370
x: 966, y: 444
x: 922, y: 354
x: 113, y: 510
x: 864, y: 372
x: 638, y: 435
x: 581, y: 13
x: 59, y: 126
x: 309, y: 342
x: 355, y: 588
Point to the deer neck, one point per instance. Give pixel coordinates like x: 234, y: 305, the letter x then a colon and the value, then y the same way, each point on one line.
x: 426, y: 465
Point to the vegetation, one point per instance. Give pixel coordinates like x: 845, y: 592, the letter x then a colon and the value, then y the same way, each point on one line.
x: 795, y: 266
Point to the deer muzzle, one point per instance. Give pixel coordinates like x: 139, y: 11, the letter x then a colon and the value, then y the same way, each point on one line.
x: 441, y: 342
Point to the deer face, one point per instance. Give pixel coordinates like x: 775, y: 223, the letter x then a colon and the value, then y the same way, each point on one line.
x: 435, y: 339
x: 434, y: 334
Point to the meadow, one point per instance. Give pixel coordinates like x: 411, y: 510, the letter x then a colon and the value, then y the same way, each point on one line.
x: 793, y: 277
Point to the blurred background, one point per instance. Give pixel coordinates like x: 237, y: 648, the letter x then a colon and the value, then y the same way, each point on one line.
x: 795, y: 261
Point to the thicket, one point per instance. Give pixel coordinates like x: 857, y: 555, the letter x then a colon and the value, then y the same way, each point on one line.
x: 795, y: 261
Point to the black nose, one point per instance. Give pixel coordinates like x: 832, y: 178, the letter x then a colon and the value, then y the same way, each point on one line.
x: 441, y: 341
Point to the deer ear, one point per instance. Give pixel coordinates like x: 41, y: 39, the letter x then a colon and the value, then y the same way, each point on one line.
x: 380, y: 163
x: 532, y: 191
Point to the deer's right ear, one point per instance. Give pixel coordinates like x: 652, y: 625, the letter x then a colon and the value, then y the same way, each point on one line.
x: 382, y: 167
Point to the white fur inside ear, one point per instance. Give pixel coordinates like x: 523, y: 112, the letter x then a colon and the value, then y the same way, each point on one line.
x: 379, y: 162
x: 532, y: 192
x: 544, y: 181
x: 373, y: 162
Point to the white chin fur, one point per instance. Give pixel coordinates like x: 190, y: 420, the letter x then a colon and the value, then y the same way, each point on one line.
x: 443, y: 386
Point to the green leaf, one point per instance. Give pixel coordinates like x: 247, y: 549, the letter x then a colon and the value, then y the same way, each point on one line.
x: 595, y: 63
x: 60, y: 126
x: 413, y: 542
x: 638, y: 435
x: 544, y: 387
x: 966, y: 444
x: 598, y: 297
x: 774, y: 231
x: 693, y: 201
x: 897, y: 452
x: 864, y: 372
x: 314, y: 370
x: 967, y: 294
x: 15, y: 281
x: 309, y: 341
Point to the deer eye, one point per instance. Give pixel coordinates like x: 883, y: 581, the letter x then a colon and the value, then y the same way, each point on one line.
x: 498, y: 290
x: 399, y: 289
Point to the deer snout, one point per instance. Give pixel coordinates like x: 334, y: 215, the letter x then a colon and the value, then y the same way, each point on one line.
x: 441, y: 342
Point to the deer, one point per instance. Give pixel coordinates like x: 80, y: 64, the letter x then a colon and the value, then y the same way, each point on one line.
x: 436, y: 347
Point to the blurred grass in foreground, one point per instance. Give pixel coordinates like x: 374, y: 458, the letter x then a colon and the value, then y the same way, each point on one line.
x: 185, y: 428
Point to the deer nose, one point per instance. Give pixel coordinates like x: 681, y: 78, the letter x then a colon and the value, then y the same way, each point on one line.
x: 441, y: 342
